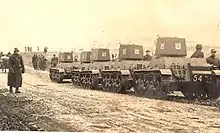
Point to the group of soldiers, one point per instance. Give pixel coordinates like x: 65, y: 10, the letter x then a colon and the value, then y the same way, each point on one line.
x: 39, y: 62
x: 28, y: 49
x: 4, y: 61
x: 212, y: 59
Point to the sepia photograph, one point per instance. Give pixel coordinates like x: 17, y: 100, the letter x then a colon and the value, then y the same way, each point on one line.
x: 106, y: 66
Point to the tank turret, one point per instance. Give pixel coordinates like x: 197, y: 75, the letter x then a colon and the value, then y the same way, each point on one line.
x: 100, y: 55
x: 130, y: 52
x: 65, y: 57
x: 170, y: 47
x: 85, y: 56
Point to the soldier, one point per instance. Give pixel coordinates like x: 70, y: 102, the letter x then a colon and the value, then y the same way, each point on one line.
x: 45, y: 49
x: 43, y: 64
x: 16, y: 68
x: 54, y: 61
x: 1, y: 54
x: 113, y: 57
x: 147, y: 56
x: 34, y: 61
x: 38, y: 60
x: 9, y: 54
x: 198, y: 53
x: 4, y: 63
x: 212, y: 59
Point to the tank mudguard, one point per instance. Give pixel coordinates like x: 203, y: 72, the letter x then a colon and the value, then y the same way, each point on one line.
x: 125, y: 72
x: 61, y: 70
x: 216, y: 72
x: 95, y: 71
x: 166, y: 72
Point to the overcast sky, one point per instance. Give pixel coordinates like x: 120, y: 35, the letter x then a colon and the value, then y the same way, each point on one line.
x: 81, y: 23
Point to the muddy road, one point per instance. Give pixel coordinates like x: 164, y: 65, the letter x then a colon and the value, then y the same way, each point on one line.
x: 48, y: 106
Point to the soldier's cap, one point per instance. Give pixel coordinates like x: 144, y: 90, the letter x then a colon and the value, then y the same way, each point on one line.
x: 16, y: 50
x: 213, y: 51
x: 199, y: 46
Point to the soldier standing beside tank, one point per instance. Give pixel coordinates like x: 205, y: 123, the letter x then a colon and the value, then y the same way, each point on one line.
x: 34, y: 61
x: 43, y: 63
x: 16, y: 68
x: 198, y: 53
x: 212, y: 59
x: 54, y: 61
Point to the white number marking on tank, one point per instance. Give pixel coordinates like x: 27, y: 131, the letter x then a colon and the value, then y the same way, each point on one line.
x: 197, y: 78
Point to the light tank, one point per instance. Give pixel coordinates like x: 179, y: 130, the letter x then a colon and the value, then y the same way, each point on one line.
x: 118, y: 77
x: 63, y: 69
x: 170, y: 71
x: 88, y: 73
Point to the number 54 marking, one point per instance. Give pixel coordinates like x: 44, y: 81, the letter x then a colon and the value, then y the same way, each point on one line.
x: 197, y: 78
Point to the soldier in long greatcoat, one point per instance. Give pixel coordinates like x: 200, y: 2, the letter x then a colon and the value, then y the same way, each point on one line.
x: 34, y: 61
x: 16, y: 68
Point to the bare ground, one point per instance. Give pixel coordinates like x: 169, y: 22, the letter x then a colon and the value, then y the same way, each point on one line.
x: 44, y: 105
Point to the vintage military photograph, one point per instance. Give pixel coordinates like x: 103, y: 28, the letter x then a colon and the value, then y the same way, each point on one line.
x: 145, y: 66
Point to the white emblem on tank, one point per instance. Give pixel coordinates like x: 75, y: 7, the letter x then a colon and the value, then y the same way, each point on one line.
x: 68, y: 57
x: 103, y: 54
x: 124, y: 51
x: 162, y: 45
x: 136, y: 51
x: 178, y: 45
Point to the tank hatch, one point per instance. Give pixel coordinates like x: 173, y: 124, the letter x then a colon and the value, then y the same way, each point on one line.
x: 170, y: 47
x: 130, y: 52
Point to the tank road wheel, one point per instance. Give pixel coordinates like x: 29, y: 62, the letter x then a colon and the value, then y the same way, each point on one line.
x: 82, y: 82
x: 88, y: 82
x: 123, y: 85
x: 59, y: 78
x: 156, y: 90
x: 149, y: 86
x: 94, y: 82
x: 51, y: 76
x: 139, y: 87
x: 106, y: 84
x: 115, y: 85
